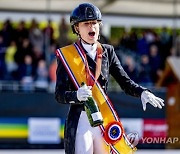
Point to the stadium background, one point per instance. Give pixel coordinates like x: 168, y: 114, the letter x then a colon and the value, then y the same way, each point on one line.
x: 27, y: 105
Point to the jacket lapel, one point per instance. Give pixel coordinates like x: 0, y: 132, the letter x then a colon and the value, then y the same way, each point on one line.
x: 105, y: 65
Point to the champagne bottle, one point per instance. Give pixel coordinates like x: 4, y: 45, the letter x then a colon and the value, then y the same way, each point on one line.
x: 93, y: 113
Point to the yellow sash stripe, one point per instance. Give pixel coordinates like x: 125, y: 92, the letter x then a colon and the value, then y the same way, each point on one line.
x: 77, y: 67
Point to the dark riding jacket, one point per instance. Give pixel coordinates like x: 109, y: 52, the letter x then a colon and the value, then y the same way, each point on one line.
x: 65, y: 91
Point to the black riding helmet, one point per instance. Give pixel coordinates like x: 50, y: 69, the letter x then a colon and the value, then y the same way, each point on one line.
x: 84, y: 12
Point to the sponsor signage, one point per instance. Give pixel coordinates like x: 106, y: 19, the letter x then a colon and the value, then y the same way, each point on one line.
x: 155, y: 128
x: 43, y: 130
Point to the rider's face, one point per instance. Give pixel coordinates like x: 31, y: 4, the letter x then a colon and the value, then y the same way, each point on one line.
x: 89, y: 31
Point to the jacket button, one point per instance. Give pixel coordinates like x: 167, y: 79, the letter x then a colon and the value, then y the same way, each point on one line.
x: 103, y: 87
x: 103, y: 78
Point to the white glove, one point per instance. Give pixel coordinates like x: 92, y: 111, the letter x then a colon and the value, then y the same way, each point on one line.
x: 84, y: 92
x: 148, y: 97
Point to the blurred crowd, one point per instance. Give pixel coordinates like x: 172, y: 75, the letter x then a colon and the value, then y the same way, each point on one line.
x: 27, y: 55
x: 144, y: 55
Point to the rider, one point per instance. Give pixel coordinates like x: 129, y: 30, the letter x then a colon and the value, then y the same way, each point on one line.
x: 80, y: 137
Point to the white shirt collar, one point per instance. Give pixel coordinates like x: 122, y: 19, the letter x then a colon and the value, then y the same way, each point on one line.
x: 91, y: 49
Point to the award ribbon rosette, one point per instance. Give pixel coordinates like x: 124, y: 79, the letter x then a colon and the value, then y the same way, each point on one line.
x: 75, y: 62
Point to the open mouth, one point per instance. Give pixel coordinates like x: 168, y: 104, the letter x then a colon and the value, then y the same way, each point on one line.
x: 91, y: 33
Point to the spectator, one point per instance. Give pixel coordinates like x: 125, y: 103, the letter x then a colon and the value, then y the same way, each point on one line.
x: 2, y: 59
x: 145, y: 71
x: 133, y: 41
x: 52, y: 50
x: 26, y: 74
x: 10, y: 61
x: 52, y: 75
x: 142, y: 45
x: 164, y: 36
x: 41, y: 76
x: 7, y: 32
x: 150, y: 37
x: 63, y: 33
x: 165, y: 46
x: 25, y: 48
x: 48, y: 33
x: 21, y: 33
x: 130, y: 68
x: 37, y: 55
x: 124, y: 40
x: 155, y: 63
x: 36, y: 36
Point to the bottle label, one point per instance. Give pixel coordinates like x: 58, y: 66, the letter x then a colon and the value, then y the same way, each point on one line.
x: 96, y: 116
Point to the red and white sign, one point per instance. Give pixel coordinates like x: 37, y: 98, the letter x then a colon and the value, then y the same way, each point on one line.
x: 155, y: 128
